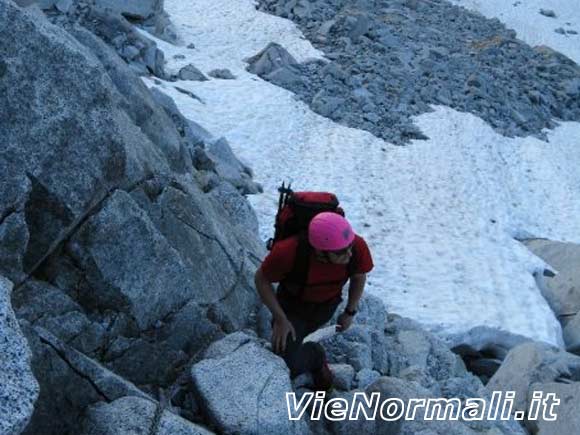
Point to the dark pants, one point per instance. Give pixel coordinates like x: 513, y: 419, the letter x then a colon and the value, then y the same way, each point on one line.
x: 306, y: 317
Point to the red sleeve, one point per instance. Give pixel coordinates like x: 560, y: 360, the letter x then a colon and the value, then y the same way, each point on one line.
x: 364, y: 260
x: 280, y: 260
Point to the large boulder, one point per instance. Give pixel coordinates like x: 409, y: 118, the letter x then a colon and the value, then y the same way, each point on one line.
x: 230, y: 168
x: 132, y: 415
x: 48, y: 307
x: 562, y: 290
x: 406, y: 391
x: 400, y: 394
x: 416, y: 353
x: 371, y: 312
x: 572, y: 334
x: 190, y: 72
x: 133, y: 46
x: 243, y: 387
x: 139, y: 103
x: 270, y: 59
x: 72, y: 160
x: 564, y: 417
x: 533, y: 362
x: 120, y: 240
x: 18, y: 387
x: 483, y: 348
x: 363, y: 345
x: 122, y: 258
x: 69, y: 382
x: 195, y: 134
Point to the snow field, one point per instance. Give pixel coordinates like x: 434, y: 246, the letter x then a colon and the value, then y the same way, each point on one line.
x: 441, y: 216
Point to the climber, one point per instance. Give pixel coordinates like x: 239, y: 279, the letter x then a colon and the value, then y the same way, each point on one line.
x: 308, y: 295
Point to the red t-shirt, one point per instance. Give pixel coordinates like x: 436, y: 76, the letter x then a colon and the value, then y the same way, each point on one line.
x: 280, y: 262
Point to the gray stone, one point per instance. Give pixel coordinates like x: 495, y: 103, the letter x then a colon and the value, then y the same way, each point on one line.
x: 229, y: 167
x: 343, y: 376
x: 572, y: 335
x: 90, y: 154
x: 19, y: 388
x: 353, y: 347
x: 238, y: 209
x: 285, y: 77
x: 189, y: 130
x: 357, y: 26
x: 412, y: 346
x: 38, y: 299
x: 244, y: 392
x: 228, y: 345
x: 563, y: 290
x: 389, y: 387
x: 567, y: 411
x: 271, y: 58
x: 63, y: 5
x: 43, y: 4
x: 411, y: 55
x: 24, y: 3
x: 68, y: 380
x: 120, y: 240
x: 190, y: 72
x: 224, y: 74
x: 365, y: 377
x: 533, y: 362
x: 572, y: 87
x: 116, y: 31
x: 161, y: 26
x: 133, y: 415
x: 371, y: 312
x: 485, y: 338
x: 52, y: 309
x: 199, y: 131
x: 202, y: 161
x: 327, y: 105
x: 548, y: 13
x: 14, y: 239
x: 157, y: 362
x: 138, y: 9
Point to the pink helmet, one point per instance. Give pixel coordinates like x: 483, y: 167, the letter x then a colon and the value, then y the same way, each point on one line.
x: 329, y: 231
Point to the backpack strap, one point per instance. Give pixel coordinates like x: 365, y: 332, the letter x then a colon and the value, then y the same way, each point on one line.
x: 352, y: 264
x: 295, y: 281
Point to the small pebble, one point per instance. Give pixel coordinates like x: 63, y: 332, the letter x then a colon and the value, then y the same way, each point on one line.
x: 548, y: 13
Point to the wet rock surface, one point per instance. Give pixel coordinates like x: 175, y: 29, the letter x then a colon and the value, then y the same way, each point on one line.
x: 391, y: 60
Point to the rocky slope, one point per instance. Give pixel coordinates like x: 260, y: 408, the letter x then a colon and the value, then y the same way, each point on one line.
x: 390, y: 60
x: 127, y: 250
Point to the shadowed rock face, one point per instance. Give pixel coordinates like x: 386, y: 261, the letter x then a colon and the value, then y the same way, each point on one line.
x: 124, y: 256
x: 18, y: 388
x: 133, y: 415
x: 390, y: 60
